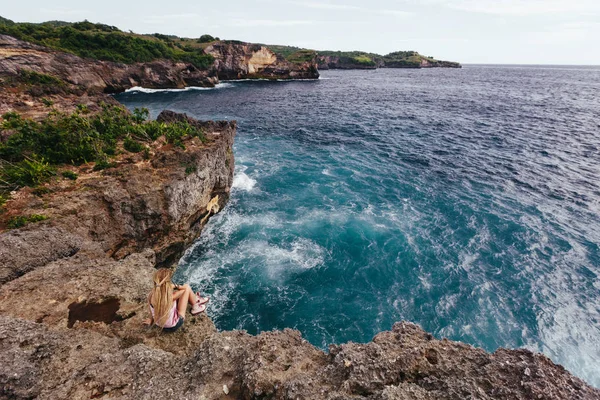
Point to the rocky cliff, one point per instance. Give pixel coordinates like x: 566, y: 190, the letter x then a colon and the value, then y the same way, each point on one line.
x: 372, y: 61
x: 86, y: 81
x: 158, y: 203
x: 73, y: 289
x: 336, y: 62
x: 238, y: 60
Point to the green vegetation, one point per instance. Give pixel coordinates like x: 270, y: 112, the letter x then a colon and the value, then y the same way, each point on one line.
x: 103, y: 164
x: 35, y: 78
x: 293, y: 54
x: 41, y: 190
x: 104, y: 42
x: 38, y: 84
x: 207, y: 39
x: 32, y: 150
x: 6, y: 21
x: 364, y: 60
x: 70, y: 175
x: 132, y: 146
x: 302, y: 56
x: 357, y: 58
x: 284, y: 51
x: 22, y: 220
x: 30, y: 171
x: 190, y: 169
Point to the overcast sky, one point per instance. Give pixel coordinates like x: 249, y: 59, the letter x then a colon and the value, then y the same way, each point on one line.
x: 468, y: 31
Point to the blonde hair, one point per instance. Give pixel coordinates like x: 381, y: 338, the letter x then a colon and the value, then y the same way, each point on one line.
x: 161, y: 296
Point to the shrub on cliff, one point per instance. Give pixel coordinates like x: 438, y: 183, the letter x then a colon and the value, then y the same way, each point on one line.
x: 206, y: 39
x: 301, y: 56
x: 31, y: 171
x: 132, y: 146
x: 37, y: 84
x: 104, y: 42
x: 364, y: 60
x: 32, y: 148
x: 22, y: 220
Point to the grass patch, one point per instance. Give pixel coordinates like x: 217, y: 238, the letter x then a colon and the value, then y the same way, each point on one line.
x: 70, y: 175
x: 30, y: 171
x: 40, y: 191
x: 36, y: 78
x: 190, y: 169
x: 364, y: 60
x: 31, y: 150
x: 301, y: 56
x: 47, y: 102
x: 20, y: 221
x: 3, y: 199
x: 105, y: 42
x: 132, y: 146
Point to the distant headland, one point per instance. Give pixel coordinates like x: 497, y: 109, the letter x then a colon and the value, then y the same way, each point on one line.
x: 108, y: 43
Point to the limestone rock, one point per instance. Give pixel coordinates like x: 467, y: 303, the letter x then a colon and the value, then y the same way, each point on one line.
x: 238, y: 60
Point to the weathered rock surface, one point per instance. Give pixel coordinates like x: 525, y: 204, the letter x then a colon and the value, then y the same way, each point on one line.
x: 88, y: 81
x: 160, y: 203
x: 405, y: 363
x: 238, y: 60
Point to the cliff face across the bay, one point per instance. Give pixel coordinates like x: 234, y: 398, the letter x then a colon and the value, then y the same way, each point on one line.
x: 86, y: 81
x: 73, y: 287
x: 238, y: 60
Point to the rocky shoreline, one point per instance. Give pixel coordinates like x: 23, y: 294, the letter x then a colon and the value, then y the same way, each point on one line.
x: 73, y: 287
x: 87, y: 81
x: 326, y: 62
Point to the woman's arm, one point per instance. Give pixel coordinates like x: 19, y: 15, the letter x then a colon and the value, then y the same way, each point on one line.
x: 179, y: 291
x: 149, y: 321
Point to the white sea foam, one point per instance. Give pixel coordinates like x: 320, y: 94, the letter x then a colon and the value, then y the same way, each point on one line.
x: 243, y: 182
x: 136, y: 89
x: 271, y: 80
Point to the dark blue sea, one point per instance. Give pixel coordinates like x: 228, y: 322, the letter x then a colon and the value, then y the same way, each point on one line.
x: 467, y: 201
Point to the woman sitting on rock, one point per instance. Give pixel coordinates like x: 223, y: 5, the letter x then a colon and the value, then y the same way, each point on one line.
x: 168, y: 302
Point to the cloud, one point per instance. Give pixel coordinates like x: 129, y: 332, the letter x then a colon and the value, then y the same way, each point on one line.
x: 168, y: 18
x: 324, y: 6
x: 64, y: 11
x: 521, y: 7
x: 370, y: 10
x: 267, y: 22
x: 565, y: 33
x: 397, y: 13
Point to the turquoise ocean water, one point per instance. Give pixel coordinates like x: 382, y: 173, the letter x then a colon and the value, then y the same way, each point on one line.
x: 467, y: 201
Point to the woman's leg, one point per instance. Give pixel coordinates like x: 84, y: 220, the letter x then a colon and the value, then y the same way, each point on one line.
x: 192, y: 298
